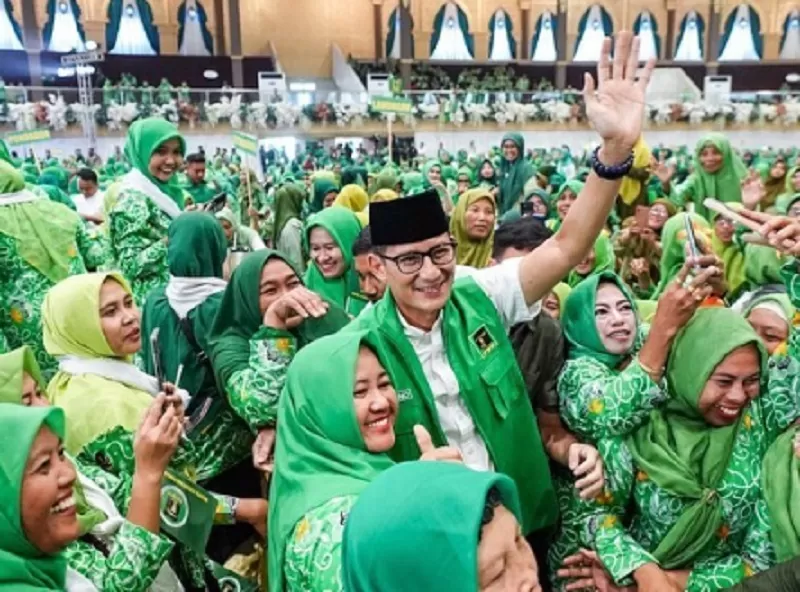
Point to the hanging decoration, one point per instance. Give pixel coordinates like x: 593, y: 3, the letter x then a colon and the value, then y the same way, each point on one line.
x: 194, y: 37
x: 595, y: 25
x: 130, y: 29
x: 646, y: 27
x: 502, y: 46
x: 742, y: 40
x: 451, y: 39
x: 790, y: 40
x: 690, y: 44
x: 543, y: 44
x: 63, y: 31
x: 10, y: 31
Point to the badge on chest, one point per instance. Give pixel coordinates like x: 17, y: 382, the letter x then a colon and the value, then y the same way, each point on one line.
x: 484, y: 341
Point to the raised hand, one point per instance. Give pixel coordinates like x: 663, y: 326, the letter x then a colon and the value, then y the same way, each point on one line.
x: 663, y: 172
x: 429, y: 452
x: 780, y: 232
x: 753, y: 191
x: 615, y: 105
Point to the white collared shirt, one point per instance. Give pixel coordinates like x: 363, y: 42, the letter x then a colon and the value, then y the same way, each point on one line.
x: 92, y: 206
x: 501, y: 284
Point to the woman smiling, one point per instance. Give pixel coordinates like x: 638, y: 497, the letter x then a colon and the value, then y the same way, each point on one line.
x: 472, y: 225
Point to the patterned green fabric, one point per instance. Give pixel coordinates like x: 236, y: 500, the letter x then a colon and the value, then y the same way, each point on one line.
x: 782, y: 490
x: 145, y: 136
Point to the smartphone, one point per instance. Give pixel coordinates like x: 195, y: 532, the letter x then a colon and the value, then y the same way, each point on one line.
x: 155, y: 353
x: 216, y: 203
x: 642, y: 216
x: 526, y: 208
x: 691, y: 240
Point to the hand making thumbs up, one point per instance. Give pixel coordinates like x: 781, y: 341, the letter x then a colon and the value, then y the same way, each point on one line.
x: 429, y: 452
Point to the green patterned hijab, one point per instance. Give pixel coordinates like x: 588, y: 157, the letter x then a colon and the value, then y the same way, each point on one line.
x: 677, y: 449
x: 145, y: 136
x: 320, y: 452
x: 417, y: 527
x: 579, y: 324
x: 23, y: 568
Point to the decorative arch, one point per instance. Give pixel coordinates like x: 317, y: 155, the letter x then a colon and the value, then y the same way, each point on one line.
x: 451, y: 39
x: 543, y: 42
x: 63, y: 31
x: 595, y: 25
x: 742, y: 40
x: 646, y: 27
x: 690, y: 44
x: 502, y: 45
x: 10, y: 31
x: 393, y: 26
x: 790, y: 39
x: 194, y: 38
x: 130, y: 29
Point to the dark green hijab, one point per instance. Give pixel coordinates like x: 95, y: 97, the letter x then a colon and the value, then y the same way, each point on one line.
x: 321, y: 187
x: 513, y: 174
x: 288, y: 204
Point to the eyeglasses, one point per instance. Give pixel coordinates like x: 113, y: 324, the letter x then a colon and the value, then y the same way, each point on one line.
x: 412, y: 262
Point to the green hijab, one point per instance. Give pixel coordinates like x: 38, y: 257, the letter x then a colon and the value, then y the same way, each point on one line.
x: 733, y: 258
x: 513, y: 174
x: 288, y: 204
x: 344, y: 228
x: 239, y: 317
x: 673, y: 242
x: 321, y: 187
x: 5, y: 155
x: 196, y: 248
x: 23, y: 568
x: 574, y: 185
x: 417, y: 527
x: 677, y: 449
x: 320, y: 453
x: 578, y: 319
x: 386, y: 179
x: 725, y: 184
x: 471, y: 252
x: 604, y: 260
x: 145, y: 136
x: 45, y: 234
x: 781, y: 486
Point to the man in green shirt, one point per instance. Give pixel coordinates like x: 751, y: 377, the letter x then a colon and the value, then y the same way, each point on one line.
x: 196, y: 185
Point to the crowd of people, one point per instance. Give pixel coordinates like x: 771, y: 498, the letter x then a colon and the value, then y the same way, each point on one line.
x: 521, y: 370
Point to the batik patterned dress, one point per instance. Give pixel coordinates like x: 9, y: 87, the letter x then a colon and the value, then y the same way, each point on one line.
x: 137, y: 231
x: 597, y: 404
x: 313, y: 559
x: 742, y: 544
x: 23, y: 288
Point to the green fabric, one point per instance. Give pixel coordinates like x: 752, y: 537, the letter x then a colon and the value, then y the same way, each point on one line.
x: 239, y: 317
x: 5, y: 154
x: 725, y: 184
x: 469, y: 251
x: 200, y: 192
x: 288, y: 204
x: 785, y: 201
x: 196, y: 248
x: 320, y: 188
x: 604, y: 260
x: 145, y: 136
x: 762, y: 266
x: 677, y: 449
x: 55, y: 175
x: 71, y: 326
x: 513, y: 175
x: 779, y: 298
x: 23, y: 568
x: 578, y: 319
x: 781, y: 486
x: 55, y: 193
x: 734, y: 262
x: 562, y: 292
x: 673, y: 242
x: 434, y: 507
x: 490, y: 383
x: 320, y: 453
x: 45, y: 237
x: 386, y: 179
x: 344, y: 228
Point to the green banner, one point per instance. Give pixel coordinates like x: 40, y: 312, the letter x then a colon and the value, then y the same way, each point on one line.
x: 27, y: 137
x: 397, y: 105
x: 246, y: 143
x: 187, y: 511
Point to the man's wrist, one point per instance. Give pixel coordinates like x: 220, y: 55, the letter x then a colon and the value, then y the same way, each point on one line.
x: 613, y: 153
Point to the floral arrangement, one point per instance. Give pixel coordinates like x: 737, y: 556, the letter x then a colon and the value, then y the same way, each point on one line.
x: 502, y: 109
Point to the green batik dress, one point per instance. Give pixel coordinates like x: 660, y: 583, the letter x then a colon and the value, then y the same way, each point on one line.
x: 313, y: 559
x: 23, y: 288
x: 137, y: 231
x: 599, y: 405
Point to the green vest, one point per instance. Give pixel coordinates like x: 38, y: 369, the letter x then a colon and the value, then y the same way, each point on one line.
x: 490, y: 383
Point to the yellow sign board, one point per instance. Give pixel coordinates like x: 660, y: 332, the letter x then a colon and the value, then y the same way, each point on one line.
x: 246, y: 143
x: 27, y: 137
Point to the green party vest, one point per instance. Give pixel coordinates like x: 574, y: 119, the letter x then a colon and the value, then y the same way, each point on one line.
x: 490, y: 383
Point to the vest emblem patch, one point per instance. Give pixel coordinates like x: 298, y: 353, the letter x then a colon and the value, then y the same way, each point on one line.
x: 484, y: 341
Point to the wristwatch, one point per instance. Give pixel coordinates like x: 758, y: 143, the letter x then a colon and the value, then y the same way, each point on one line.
x: 610, y: 172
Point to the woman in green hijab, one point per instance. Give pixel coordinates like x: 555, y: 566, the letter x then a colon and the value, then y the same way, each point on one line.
x: 41, y: 243
x: 149, y: 197
x: 443, y: 527
x: 237, y: 236
x: 252, y: 341
x: 472, y: 226
x: 564, y: 198
x: 673, y: 246
x: 251, y: 201
x: 324, y: 192
x: 287, y: 228
x: 330, y: 235
x: 771, y: 315
x: 692, y: 507
x: 733, y: 257
x: 599, y: 259
x: 118, y: 513
x: 54, y: 181
x: 610, y: 383
x: 514, y: 171
x: 328, y: 450
x: 718, y: 173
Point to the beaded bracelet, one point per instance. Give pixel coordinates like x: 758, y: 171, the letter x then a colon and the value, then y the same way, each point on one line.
x: 610, y: 172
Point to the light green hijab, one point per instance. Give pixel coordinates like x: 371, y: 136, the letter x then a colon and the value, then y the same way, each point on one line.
x: 23, y: 568
x: 725, y: 184
x: 677, y: 449
x: 145, y: 136
x: 603, y: 261
x: 781, y: 486
x: 320, y: 453
x: 344, y: 228
x: 578, y: 320
x: 417, y: 527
